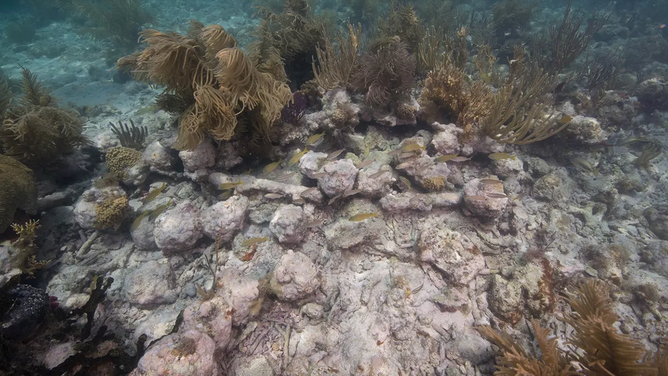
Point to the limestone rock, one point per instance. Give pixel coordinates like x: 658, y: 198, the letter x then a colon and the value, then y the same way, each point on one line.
x: 153, y: 283
x: 158, y: 156
x: 240, y: 292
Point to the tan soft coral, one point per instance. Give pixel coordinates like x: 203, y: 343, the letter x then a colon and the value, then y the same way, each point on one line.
x: 448, y: 92
x: 213, y: 78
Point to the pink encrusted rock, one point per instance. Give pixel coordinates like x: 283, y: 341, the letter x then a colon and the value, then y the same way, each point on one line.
x: 340, y: 177
x: 446, y: 139
x: 191, y: 353
x: 508, y: 167
x: 586, y: 130
x: 202, y: 156
x: 309, y: 163
x: 212, y: 317
x: 450, y: 252
x: 158, y: 156
x: 223, y: 219
x: 178, y: 229
x: 376, y: 180
x: 288, y: 224
x: 295, y: 277
x: 239, y: 292
x: 57, y: 354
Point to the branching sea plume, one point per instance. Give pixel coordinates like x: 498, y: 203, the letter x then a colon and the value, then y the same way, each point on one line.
x: 334, y: 65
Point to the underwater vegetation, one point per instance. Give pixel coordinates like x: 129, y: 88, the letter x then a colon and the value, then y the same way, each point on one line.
x: 605, y: 351
x: 335, y: 65
x: 598, y: 74
x: 517, y: 113
x: 130, y: 136
x: 567, y: 39
x: 214, y: 79
x: 364, y: 12
x: 44, y: 11
x: 402, y: 22
x: 385, y: 74
x: 294, y: 33
x: 446, y: 15
x: 649, y: 150
x: 34, y: 130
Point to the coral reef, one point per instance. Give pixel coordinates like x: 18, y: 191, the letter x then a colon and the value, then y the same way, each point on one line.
x: 101, y: 208
x: 445, y: 169
x: 448, y: 94
x: 22, y: 251
x: 29, y: 307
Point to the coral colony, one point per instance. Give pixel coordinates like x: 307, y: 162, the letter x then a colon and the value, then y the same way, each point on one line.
x: 333, y: 187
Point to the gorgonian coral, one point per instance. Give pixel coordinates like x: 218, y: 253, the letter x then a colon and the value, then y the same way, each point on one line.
x: 386, y: 74
x: 206, y: 70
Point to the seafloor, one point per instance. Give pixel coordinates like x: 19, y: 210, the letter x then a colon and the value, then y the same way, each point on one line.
x: 377, y: 225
